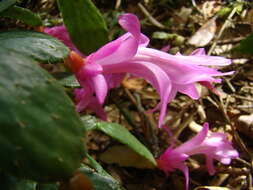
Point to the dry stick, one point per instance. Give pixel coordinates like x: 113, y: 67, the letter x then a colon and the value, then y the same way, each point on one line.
x: 117, y: 5
x: 243, y: 98
x: 137, y: 102
x: 222, y: 30
x: 243, y: 162
x: 183, y: 125
x: 150, y: 17
x: 152, y: 129
x: 234, y: 171
x: 230, y: 41
x: 196, y: 7
x: 235, y: 134
x: 250, y: 181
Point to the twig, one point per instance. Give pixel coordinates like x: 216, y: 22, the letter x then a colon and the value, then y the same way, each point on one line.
x: 185, y: 123
x: 117, y: 5
x: 224, y: 26
x: 230, y: 41
x: 234, y: 132
x: 151, y: 126
x: 243, y: 98
x: 230, y: 85
x: 244, y: 162
x: 150, y: 17
x: 196, y: 7
x: 233, y: 171
x: 250, y: 181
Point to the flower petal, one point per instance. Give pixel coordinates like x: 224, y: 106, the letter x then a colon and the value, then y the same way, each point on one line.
x: 152, y: 73
x: 61, y: 33
x: 123, y: 48
x: 95, y: 106
x: 83, y: 98
x: 100, y: 87
x: 194, y: 142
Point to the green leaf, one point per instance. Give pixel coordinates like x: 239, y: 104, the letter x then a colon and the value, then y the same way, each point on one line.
x: 246, y: 45
x: 121, y: 134
x: 85, y: 24
x: 5, y: 4
x: 69, y: 81
x: 94, y: 164
x: 41, y: 186
x: 35, y: 45
x: 12, y: 183
x: 100, y: 182
x: 42, y: 137
x: 23, y: 14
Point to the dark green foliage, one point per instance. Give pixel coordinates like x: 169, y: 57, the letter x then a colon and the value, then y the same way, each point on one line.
x: 85, y: 24
x: 8, y: 182
x: 23, y: 14
x: 5, y: 4
x: 100, y: 182
x: 41, y: 134
x: 35, y: 45
x: 246, y: 45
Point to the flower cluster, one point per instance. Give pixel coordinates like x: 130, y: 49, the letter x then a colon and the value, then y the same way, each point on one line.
x: 168, y: 74
x: 213, y: 146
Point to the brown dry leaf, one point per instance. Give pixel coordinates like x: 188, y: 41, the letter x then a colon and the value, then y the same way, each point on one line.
x: 134, y: 83
x: 211, y: 188
x: 204, y: 34
x: 125, y: 157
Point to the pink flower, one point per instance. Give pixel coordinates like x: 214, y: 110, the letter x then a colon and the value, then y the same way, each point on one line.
x: 61, y: 33
x: 167, y: 73
x: 213, y: 146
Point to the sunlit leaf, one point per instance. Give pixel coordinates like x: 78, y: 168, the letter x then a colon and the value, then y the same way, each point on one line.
x: 121, y: 134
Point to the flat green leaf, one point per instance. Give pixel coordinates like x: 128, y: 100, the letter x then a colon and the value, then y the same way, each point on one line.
x: 35, y: 45
x: 41, y: 134
x: 246, y: 45
x: 121, y: 134
x: 94, y: 164
x: 100, y: 182
x: 5, y: 4
x: 85, y: 24
x: 23, y: 14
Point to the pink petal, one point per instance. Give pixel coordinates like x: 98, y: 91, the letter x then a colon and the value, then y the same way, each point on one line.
x: 100, y: 87
x: 181, y: 71
x: 123, y: 48
x: 191, y: 144
x: 209, y: 165
x: 199, y: 51
x: 114, y: 80
x: 95, y: 106
x: 61, y: 33
x: 185, y: 170
x: 152, y: 73
x: 83, y: 98
x: 189, y: 89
